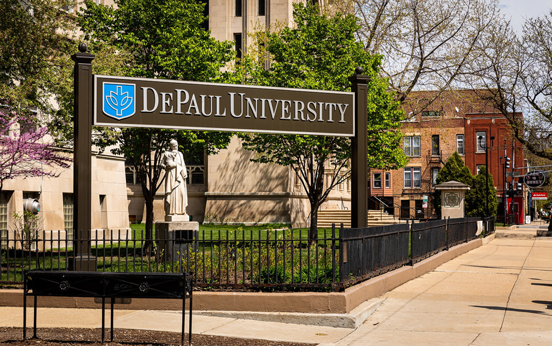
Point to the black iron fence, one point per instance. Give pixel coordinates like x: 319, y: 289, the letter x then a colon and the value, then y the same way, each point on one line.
x: 367, y: 252
x: 242, y: 259
x: 489, y: 224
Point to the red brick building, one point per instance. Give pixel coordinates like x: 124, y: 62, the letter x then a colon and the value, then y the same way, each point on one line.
x: 494, y: 130
x: 451, y: 123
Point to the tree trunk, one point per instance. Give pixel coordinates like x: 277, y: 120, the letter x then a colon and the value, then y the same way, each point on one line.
x: 313, y: 230
x: 148, y: 243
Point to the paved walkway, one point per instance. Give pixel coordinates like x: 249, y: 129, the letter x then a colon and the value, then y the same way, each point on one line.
x: 498, y: 294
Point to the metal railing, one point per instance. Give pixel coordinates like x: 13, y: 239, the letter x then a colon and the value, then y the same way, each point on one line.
x: 245, y: 259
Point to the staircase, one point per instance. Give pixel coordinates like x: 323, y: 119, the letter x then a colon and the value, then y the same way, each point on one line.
x: 375, y: 218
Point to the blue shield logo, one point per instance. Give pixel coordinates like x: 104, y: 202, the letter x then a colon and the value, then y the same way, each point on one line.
x: 119, y: 100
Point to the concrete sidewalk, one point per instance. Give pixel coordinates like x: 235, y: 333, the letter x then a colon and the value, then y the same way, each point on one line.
x: 497, y: 294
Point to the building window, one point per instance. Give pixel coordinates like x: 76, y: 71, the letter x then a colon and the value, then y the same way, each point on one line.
x: 238, y: 8
x: 262, y: 7
x: 478, y: 168
x: 4, y: 198
x: 460, y: 144
x: 238, y: 45
x: 387, y: 180
x: 435, y: 145
x: 434, y: 174
x: 412, y: 146
x: 195, y: 166
x: 27, y: 125
x: 412, y: 177
x: 132, y: 177
x: 68, y: 215
x: 205, y: 24
x: 377, y: 180
x: 479, y: 142
x: 431, y: 113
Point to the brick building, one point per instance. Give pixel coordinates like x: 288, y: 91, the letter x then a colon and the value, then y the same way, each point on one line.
x: 452, y: 122
x: 493, y: 129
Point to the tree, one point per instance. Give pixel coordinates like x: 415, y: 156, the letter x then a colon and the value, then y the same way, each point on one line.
x: 515, y: 74
x: 25, y: 155
x: 321, y: 52
x: 483, y: 195
x: 427, y: 45
x: 165, y: 40
x: 33, y: 39
x: 455, y: 169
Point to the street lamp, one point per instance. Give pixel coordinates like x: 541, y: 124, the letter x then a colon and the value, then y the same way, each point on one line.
x: 483, y: 144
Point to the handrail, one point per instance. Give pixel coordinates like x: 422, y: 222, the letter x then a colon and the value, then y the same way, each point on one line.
x: 380, y: 201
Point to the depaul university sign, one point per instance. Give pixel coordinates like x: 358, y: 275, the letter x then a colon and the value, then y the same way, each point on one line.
x: 136, y: 102
x: 159, y: 103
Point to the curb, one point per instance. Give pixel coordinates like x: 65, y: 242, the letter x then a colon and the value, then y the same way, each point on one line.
x: 351, y: 320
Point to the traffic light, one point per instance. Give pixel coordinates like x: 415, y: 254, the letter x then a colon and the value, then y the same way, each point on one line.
x: 507, y: 163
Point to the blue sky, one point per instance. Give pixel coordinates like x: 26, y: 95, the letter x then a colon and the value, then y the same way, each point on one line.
x: 518, y: 10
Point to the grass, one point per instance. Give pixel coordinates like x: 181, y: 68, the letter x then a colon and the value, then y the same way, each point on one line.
x: 220, y: 246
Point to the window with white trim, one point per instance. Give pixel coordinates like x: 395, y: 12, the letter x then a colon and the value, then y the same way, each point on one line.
x: 387, y: 180
x: 480, y: 143
x: 434, y: 174
x: 412, y: 146
x: 460, y: 144
x: 412, y: 177
x: 377, y: 180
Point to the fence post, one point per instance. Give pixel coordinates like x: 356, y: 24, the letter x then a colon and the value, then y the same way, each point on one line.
x: 411, y: 242
x: 340, y: 255
x: 447, y: 223
x: 466, y: 224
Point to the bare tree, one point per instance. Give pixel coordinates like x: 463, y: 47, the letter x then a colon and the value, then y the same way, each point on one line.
x: 515, y: 73
x: 426, y: 44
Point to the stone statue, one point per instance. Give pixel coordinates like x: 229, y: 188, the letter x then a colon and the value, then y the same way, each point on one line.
x: 176, y: 193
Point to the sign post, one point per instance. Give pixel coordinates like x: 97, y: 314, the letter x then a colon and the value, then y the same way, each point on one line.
x: 359, y: 157
x: 82, y: 162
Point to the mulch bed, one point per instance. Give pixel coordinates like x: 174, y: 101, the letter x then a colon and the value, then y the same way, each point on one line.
x: 82, y: 336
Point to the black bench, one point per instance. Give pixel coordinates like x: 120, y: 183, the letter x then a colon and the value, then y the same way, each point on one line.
x: 107, y: 285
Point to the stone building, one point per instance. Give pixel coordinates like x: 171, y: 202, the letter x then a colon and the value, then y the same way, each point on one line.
x: 227, y: 187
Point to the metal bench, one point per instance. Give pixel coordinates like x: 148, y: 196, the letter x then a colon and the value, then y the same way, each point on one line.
x: 107, y: 285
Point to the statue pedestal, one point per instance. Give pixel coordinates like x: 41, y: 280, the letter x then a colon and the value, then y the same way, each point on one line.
x: 177, y: 218
x: 176, y: 238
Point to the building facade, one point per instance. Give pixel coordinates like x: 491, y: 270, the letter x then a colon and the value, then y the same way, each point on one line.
x: 456, y: 121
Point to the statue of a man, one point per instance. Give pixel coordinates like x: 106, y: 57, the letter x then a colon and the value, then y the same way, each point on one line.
x: 176, y: 194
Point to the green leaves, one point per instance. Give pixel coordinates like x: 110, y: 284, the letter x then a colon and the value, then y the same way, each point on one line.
x: 165, y: 37
x: 321, y: 52
x: 476, y: 198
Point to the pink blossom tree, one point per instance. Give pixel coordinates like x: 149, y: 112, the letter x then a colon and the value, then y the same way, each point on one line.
x: 24, y: 155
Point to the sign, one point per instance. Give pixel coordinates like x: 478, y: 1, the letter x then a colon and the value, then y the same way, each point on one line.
x: 535, y: 179
x: 424, y: 202
x: 162, y: 103
x: 539, y: 196
x: 512, y: 174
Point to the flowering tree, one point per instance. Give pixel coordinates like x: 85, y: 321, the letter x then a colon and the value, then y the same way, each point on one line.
x: 24, y: 155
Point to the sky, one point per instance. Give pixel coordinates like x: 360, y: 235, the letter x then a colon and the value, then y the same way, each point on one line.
x: 518, y: 10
